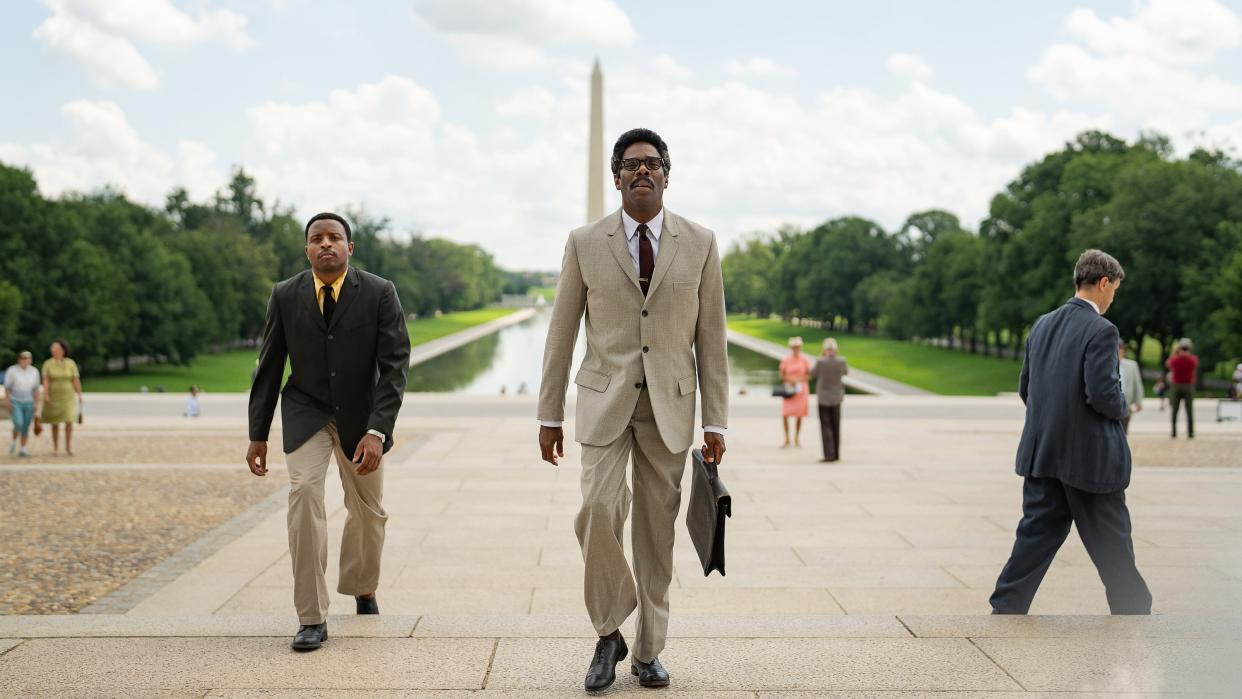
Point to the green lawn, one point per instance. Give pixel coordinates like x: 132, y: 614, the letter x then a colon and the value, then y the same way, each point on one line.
x: 947, y: 372
x: 229, y: 372
x: 547, y: 292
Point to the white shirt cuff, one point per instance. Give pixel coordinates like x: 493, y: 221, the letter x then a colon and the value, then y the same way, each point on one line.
x: 713, y: 428
x: 551, y: 423
x: 379, y: 434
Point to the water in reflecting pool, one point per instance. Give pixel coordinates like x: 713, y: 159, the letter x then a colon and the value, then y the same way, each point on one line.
x: 512, y: 361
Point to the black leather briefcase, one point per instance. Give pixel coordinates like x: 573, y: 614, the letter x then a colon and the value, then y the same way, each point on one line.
x: 709, y: 505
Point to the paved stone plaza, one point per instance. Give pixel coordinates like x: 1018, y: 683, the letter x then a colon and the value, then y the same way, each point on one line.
x: 864, y: 578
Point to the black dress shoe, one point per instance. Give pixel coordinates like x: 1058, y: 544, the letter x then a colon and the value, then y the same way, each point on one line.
x: 367, y: 605
x: 610, y: 650
x: 650, y: 674
x: 310, y: 637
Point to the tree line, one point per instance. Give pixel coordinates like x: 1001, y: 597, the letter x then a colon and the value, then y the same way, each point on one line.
x: 1175, y: 224
x: 117, y: 279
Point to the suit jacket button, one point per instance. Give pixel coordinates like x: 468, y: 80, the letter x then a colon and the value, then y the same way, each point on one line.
x: 329, y: 337
x: 644, y: 314
x: 334, y: 373
x: 338, y: 408
x: 638, y: 385
x: 645, y: 348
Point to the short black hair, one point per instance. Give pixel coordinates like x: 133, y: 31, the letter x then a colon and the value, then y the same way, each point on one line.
x: 328, y: 215
x: 633, y: 136
x: 63, y: 345
x: 1094, y: 265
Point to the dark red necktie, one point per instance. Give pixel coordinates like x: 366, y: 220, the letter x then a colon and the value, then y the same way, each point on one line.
x: 646, y: 258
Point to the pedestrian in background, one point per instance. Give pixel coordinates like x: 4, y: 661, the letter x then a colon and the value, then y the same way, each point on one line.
x: 1161, y: 388
x: 796, y: 371
x: 1131, y: 385
x: 830, y: 371
x: 21, y: 391
x: 191, y: 403
x: 1182, y: 367
x: 61, y: 385
x: 1236, y: 382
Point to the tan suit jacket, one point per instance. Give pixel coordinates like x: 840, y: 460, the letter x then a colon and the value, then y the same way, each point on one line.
x: 663, y: 338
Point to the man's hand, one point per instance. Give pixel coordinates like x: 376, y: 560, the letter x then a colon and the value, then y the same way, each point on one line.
x: 368, y: 454
x: 1137, y: 408
x: 713, y: 447
x: 256, y: 458
x: 550, y: 439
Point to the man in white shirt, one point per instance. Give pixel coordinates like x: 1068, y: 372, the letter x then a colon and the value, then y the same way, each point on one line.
x: 21, y: 391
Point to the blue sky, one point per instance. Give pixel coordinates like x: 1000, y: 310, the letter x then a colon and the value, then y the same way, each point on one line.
x: 467, y: 118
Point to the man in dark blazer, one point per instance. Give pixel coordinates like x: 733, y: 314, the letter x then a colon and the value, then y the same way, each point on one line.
x: 348, y: 347
x: 1073, y: 452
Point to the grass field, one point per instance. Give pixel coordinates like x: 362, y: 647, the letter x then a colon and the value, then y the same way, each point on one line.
x: 229, y: 372
x: 547, y: 292
x: 947, y: 372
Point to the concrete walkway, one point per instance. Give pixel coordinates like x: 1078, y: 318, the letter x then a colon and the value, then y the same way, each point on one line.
x: 857, y: 379
x: 867, y: 578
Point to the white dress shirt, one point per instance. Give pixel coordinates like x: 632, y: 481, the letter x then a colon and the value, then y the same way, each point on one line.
x: 654, y: 227
x: 1093, y: 305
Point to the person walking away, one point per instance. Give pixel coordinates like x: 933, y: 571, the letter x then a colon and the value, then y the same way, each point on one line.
x: 795, y: 370
x: 1073, y: 455
x: 1131, y: 385
x: 1182, y: 368
x: 22, y: 389
x: 830, y: 391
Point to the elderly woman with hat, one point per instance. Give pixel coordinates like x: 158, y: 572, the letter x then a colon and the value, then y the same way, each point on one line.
x: 795, y: 370
x: 21, y: 391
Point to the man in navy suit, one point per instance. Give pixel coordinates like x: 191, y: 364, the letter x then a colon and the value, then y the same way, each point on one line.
x: 1073, y: 453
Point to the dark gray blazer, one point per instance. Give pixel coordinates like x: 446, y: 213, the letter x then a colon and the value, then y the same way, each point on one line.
x: 352, y: 371
x: 1071, y: 385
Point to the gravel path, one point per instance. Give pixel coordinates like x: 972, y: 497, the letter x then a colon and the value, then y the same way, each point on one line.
x: 68, y: 538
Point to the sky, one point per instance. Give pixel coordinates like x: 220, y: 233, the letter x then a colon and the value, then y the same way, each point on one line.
x: 467, y: 119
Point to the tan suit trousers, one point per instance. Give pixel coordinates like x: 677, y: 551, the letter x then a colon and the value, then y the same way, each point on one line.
x: 612, y: 592
x: 362, y: 541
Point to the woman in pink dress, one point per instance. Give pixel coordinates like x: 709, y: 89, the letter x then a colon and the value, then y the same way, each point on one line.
x: 795, y: 369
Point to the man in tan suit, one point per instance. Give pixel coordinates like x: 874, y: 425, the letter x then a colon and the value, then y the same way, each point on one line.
x: 649, y: 282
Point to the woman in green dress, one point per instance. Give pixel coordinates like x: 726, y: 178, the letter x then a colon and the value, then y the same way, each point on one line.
x: 61, y: 384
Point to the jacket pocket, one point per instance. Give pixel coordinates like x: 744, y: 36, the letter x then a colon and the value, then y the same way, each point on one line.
x: 592, y: 380
x: 688, y: 287
x: 686, y: 385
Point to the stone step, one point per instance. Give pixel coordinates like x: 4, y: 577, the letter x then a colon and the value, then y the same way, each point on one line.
x: 576, y: 627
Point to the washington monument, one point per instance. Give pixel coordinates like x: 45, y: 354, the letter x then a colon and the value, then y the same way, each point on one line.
x: 595, y: 148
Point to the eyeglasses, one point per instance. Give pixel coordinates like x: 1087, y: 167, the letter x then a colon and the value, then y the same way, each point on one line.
x: 653, y: 164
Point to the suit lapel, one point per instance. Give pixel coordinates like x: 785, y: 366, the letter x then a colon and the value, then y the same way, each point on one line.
x: 349, y: 289
x: 668, y: 250
x: 306, y: 292
x: 621, y: 250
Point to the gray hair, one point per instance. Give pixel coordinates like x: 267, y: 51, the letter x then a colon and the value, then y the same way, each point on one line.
x: 1094, y: 265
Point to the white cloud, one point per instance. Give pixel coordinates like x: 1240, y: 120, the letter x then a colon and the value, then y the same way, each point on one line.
x: 100, y: 35
x: 110, y: 60
x: 1168, y: 31
x: 513, y: 34
x: 909, y: 64
x: 534, y: 102
x: 104, y: 150
x: 756, y: 67
x: 1152, y: 67
x: 668, y: 67
x: 159, y: 21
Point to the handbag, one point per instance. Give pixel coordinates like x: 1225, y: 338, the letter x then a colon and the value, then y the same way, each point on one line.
x: 785, y: 390
x: 710, y: 504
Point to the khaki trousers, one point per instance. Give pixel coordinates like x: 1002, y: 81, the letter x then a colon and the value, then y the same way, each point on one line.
x: 611, y: 591
x: 362, y: 540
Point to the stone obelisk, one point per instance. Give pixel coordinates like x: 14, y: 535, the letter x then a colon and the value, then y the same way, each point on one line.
x: 595, y: 148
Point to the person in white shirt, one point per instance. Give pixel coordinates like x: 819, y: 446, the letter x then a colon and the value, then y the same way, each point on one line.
x: 1131, y: 385
x: 21, y: 391
x: 191, y: 403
